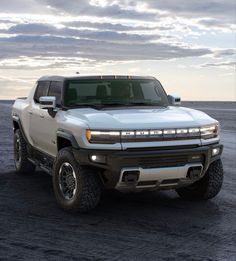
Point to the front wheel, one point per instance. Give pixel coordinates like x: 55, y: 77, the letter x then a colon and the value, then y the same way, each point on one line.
x: 76, y: 188
x: 207, y: 187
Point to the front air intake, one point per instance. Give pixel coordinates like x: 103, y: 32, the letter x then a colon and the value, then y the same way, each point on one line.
x: 194, y: 172
x: 130, y: 176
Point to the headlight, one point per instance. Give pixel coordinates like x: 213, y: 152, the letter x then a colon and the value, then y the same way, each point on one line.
x: 106, y: 137
x: 209, y: 132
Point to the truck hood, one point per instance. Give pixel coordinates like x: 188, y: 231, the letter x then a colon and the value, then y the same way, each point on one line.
x: 141, y: 118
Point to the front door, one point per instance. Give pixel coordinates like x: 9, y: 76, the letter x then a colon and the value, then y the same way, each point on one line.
x: 43, y: 127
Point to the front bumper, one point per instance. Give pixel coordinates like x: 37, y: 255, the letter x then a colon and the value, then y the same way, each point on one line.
x: 153, y: 165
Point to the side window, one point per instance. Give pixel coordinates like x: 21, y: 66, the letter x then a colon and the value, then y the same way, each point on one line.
x: 41, y: 90
x: 55, y: 89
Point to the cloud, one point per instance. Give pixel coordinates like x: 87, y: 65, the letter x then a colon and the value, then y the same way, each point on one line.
x: 215, y: 23
x: 44, y: 62
x: 111, y: 9
x: 96, y: 46
x: 23, y: 6
x: 101, y: 31
x: 210, y: 13
x: 111, y: 36
x: 215, y: 9
x: 225, y: 52
x: 45, y: 36
x: 113, y: 26
x: 224, y: 65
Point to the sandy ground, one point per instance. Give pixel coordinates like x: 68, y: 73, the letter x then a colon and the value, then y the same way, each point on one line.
x: 144, y: 226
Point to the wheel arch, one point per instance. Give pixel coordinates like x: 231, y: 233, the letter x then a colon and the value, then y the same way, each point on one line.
x: 66, y: 139
x: 18, y: 126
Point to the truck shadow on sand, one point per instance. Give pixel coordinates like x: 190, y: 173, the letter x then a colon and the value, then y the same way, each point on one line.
x: 34, y: 192
x: 121, y: 221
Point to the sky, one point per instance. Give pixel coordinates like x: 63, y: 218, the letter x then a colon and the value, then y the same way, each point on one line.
x: 190, y: 46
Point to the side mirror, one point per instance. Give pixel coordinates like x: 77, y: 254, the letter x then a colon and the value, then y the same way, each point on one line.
x: 47, y: 102
x: 174, y: 100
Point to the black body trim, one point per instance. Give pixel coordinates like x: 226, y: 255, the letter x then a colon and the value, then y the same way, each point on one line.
x: 161, y: 157
x: 118, y: 159
x: 68, y: 136
x: 37, y: 157
x: 17, y: 120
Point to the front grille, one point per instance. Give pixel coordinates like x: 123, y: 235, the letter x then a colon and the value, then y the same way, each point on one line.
x: 163, y: 161
x: 166, y: 161
x: 182, y: 147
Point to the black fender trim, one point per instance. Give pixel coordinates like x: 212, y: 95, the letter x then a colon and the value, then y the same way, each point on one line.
x: 18, y: 121
x: 68, y: 136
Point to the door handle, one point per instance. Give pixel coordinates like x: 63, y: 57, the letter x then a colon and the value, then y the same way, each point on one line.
x: 41, y: 116
x: 30, y: 112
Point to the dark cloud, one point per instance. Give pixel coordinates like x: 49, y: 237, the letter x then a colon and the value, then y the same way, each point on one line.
x: 115, y: 26
x: 84, y: 7
x: 108, y: 39
x: 222, y: 11
x: 109, y: 36
x: 99, y: 50
x: 34, y: 39
x: 23, y: 6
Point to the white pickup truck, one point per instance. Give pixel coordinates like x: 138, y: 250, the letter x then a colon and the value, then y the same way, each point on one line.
x: 115, y: 132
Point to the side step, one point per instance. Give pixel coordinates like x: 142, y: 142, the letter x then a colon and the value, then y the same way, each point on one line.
x: 41, y: 166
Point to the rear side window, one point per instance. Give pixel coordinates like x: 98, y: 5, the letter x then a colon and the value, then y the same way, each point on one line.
x: 55, y: 90
x: 42, y: 90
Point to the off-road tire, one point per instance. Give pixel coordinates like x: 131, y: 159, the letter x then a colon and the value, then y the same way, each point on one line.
x: 88, y: 192
x: 22, y: 164
x: 207, y: 187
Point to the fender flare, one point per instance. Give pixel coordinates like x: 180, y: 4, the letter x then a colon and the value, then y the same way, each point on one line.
x: 68, y: 136
x: 18, y: 121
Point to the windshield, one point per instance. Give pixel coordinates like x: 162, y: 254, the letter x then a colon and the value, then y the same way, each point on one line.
x: 115, y: 93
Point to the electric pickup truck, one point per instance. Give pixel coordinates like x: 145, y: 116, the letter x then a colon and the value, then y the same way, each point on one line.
x: 115, y: 132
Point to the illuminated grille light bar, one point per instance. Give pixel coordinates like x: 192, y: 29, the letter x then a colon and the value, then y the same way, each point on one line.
x: 142, y: 133
x: 111, y: 137
x: 169, y: 132
x: 182, y: 131
x: 127, y: 133
x: 109, y: 133
x: 207, y: 130
x: 193, y: 130
x: 156, y: 132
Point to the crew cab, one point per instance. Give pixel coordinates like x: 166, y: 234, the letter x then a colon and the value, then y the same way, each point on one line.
x: 115, y: 132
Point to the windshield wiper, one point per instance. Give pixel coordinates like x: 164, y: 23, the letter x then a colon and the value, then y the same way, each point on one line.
x: 146, y: 104
x: 114, y: 104
x: 102, y: 105
x: 133, y: 104
x: 95, y: 105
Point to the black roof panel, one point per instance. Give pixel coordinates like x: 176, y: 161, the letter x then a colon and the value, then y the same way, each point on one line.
x: 90, y: 77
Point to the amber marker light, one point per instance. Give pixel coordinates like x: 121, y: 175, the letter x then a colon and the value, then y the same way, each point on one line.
x: 88, y: 135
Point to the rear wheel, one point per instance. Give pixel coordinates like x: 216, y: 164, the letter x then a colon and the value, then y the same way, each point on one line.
x: 207, y: 187
x: 22, y: 164
x: 76, y: 188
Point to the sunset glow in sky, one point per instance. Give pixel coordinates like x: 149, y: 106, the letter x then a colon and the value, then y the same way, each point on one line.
x: 190, y: 46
